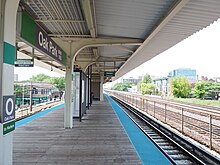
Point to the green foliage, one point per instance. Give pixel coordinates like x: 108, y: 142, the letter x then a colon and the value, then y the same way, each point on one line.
x: 58, y: 82
x: 200, y: 89
x: 122, y: 86
x: 147, y: 88
x: 147, y: 79
x: 40, y: 78
x: 180, y: 87
x: 139, y: 86
x: 18, y: 90
x: 198, y: 101
x: 206, y: 89
x: 145, y: 85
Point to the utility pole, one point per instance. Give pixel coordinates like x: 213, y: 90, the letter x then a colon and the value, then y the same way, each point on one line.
x: 31, y: 95
x: 23, y: 95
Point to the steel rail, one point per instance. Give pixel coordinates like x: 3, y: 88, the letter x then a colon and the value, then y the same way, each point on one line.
x: 180, y: 105
x: 181, y: 118
x: 197, y: 154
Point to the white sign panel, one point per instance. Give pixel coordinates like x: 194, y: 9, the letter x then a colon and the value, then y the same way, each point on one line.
x: 8, y: 112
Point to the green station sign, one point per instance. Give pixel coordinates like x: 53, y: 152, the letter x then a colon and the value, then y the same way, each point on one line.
x: 109, y: 74
x: 8, y: 127
x: 38, y: 38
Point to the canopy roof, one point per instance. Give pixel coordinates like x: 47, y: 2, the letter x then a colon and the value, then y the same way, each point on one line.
x: 133, y: 31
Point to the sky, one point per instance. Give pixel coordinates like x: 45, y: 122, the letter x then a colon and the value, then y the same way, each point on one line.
x: 200, y: 51
x: 25, y: 73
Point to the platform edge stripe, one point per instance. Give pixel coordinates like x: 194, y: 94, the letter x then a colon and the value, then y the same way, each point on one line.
x: 37, y: 115
x: 142, y: 149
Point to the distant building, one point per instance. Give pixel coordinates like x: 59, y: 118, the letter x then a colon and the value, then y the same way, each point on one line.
x: 162, y: 85
x: 204, y: 78
x: 190, y: 74
x: 217, y: 79
x: 133, y: 80
x: 41, y: 92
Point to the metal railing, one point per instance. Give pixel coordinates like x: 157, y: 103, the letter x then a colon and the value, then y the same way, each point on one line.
x: 201, y: 124
x: 27, y: 111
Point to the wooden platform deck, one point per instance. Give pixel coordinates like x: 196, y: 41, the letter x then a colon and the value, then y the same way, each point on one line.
x: 98, y: 139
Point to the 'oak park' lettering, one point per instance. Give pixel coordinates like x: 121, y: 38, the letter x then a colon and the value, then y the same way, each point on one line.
x: 48, y: 46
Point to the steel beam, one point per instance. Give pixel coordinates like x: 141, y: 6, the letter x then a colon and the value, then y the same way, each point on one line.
x: 23, y: 47
x: 69, y: 35
x: 80, y: 44
x: 101, y: 60
x: 77, y: 47
x: 125, y: 49
x: 86, y: 5
x: 59, y: 21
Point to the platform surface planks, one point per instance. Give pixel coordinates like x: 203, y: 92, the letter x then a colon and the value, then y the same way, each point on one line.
x: 98, y: 139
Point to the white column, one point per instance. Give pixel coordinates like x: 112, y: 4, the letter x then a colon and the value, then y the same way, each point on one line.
x: 68, y: 111
x: 101, y: 87
x: 8, y: 11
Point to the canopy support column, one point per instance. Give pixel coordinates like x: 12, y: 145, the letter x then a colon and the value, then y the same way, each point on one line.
x: 68, y: 111
x: 8, y: 11
x: 101, y: 87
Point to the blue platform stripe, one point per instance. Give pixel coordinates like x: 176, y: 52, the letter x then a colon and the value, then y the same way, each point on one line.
x: 148, y: 153
x: 37, y: 115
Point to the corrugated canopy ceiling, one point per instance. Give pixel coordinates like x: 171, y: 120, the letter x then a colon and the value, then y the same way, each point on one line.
x: 158, y: 24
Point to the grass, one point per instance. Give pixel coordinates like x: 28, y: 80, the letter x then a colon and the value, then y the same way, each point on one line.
x: 215, y: 103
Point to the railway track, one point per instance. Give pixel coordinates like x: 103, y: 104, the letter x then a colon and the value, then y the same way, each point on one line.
x: 177, y: 149
x: 199, y: 123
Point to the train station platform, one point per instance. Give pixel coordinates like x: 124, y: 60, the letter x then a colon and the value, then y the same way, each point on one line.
x: 98, y: 139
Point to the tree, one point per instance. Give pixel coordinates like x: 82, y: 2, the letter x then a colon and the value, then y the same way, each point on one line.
x: 147, y: 79
x: 206, y: 89
x: 200, y: 89
x: 59, y: 83
x: 18, y: 90
x: 122, y: 86
x: 147, y: 88
x: 180, y: 87
x: 145, y: 85
x: 40, y: 78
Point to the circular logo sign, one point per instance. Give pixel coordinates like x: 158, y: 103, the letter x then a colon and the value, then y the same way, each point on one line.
x: 9, y: 107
